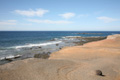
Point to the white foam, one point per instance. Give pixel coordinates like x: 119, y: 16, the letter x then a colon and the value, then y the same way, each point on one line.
x: 10, y: 57
x: 55, y: 38
x: 7, y: 57
x: 2, y: 58
x: 71, y: 36
x: 42, y: 44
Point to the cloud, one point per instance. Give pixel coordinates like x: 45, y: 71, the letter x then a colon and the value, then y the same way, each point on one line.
x: 8, y: 22
x: 25, y: 24
x: 30, y: 12
x: 49, y: 21
x: 67, y: 15
x: 107, y: 19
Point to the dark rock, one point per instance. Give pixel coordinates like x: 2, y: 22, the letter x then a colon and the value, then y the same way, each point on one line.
x: 8, y: 59
x: 99, y: 73
x: 40, y: 47
x: 89, y: 33
x: 48, y: 53
x: 57, y: 44
x: 60, y: 48
x: 43, y: 56
x: 30, y: 48
x: 84, y: 40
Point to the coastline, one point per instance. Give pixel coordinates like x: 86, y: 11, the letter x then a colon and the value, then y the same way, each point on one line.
x: 43, y: 52
x: 70, y: 63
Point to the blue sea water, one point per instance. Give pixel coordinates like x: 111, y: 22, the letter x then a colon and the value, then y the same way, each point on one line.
x: 17, y: 39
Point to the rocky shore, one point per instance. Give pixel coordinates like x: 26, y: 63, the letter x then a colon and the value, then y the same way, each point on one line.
x: 44, y: 52
x: 89, y: 33
x: 97, y: 60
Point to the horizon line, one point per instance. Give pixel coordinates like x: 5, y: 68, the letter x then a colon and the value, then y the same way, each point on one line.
x: 49, y: 30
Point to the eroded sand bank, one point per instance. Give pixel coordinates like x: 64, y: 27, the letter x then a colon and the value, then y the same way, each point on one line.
x: 71, y: 63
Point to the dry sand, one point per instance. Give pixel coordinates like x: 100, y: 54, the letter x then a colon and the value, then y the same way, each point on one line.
x: 70, y: 63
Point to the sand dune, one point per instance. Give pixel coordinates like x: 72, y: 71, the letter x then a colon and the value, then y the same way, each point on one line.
x: 70, y: 63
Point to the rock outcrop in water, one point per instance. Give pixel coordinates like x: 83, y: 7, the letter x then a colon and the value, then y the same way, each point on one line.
x: 89, y: 33
x: 70, y: 63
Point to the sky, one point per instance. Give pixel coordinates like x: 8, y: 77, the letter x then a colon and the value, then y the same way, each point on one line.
x: 59, y: 15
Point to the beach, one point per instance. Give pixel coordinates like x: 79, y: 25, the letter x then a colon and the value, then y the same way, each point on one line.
x: 97, y: 60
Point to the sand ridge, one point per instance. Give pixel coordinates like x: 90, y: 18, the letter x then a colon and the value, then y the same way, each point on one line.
x: 71, y: 63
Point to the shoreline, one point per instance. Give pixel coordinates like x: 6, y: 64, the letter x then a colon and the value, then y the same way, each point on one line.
x: 43, y: 53
x: 97, y: 60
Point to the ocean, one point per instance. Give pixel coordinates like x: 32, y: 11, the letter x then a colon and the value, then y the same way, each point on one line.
x: 17, y: 42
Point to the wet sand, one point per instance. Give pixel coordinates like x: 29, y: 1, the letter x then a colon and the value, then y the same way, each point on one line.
x: 70, y: 63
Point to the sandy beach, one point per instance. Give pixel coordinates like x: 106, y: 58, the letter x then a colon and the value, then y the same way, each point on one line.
x: 70, y: 63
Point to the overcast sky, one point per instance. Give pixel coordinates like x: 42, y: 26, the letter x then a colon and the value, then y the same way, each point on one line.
x: 60, y: 15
